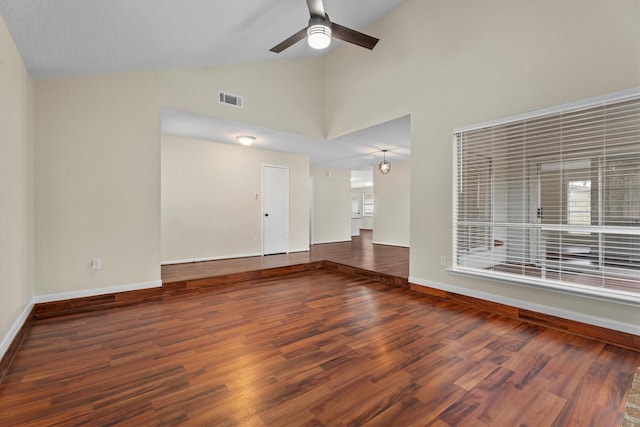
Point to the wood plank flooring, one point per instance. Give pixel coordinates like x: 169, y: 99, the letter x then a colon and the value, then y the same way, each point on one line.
x: 360, y: 253
x: 319, y: 348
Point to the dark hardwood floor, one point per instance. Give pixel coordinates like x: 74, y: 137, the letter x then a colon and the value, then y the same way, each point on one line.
x: 315, y: 348
x: 360, y: 252
x: 319, y: 348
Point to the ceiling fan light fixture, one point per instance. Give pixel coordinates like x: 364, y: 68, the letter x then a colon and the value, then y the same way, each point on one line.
x: 245, y: 139
x: 319, y: 31
x: 384, y: 166
x: 319, y: 36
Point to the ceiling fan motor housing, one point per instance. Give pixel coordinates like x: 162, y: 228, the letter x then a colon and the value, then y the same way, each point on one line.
x: 320, y: 20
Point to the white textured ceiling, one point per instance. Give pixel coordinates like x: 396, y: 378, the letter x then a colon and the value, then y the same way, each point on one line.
x: 349, y: 151
x: 59, y: 38
x: 74, y: 37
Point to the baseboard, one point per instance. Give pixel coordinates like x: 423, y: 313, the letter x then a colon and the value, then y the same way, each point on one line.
x: 96, y: 291
x: 324, y: 242
x: 292, y: 251
x: 607, y: 330
x: 94, y: 299
x: 390, y: 244
x: 13, y: 340
x: 211, y: 258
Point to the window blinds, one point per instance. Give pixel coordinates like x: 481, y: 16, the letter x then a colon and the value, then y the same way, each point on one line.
x: 553, y: 198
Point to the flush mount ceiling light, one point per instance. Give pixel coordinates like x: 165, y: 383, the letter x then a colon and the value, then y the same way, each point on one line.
x: 384, y: 167
x: 318, y: 33
x: 245, y: 139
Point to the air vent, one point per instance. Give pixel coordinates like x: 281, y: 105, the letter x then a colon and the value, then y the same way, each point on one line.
x: 229, y: 99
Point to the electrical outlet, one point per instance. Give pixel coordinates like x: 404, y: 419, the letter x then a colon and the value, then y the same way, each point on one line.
x: 443, y: 260
x: 96, y: 263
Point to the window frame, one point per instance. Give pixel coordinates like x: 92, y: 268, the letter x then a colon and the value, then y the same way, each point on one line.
x: 624, y: 296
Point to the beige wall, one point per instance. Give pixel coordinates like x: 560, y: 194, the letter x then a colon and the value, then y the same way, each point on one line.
x: 16, y: 188
x: 97, y: 182
x: 285, y: 95
x: 97, y: 176
x: 453, y: 63
x: 391, y: 206
x: 212, y: 199
x: 331, y: 204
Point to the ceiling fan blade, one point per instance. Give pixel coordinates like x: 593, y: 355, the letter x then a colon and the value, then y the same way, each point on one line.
x: 316, y: 8
x: 290, y: 41
x: 353, y: 36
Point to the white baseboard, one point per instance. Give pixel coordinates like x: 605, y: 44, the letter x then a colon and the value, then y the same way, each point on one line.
x: 213, y: 258
x: 298, y: 250
x: 15, y: 328
x: 539, y: 308
x: 96, y: 291
x: 390, y: 244
x: 331, y: 241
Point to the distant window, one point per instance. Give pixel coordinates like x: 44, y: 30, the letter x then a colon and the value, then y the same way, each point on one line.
x: 367, y: 203
x: 579, y: 202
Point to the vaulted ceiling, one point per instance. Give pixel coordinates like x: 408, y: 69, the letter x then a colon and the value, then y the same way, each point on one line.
x: 60, y: 38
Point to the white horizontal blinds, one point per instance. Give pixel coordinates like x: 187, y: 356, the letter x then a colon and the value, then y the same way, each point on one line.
x: 474, y: 193
x: 554, y: 198
x: 621, y: 190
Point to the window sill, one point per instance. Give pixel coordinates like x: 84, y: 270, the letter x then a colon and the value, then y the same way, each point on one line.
x: 610, y: 295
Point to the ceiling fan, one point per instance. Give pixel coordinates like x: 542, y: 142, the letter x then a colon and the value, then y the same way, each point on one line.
x: 321, y: 29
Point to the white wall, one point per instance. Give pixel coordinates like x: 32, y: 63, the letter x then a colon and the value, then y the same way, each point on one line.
x: 16, y: 189
x: 212, y: 199
x: 454, y: 63
x: 391, y: 205
x: 331, y: 204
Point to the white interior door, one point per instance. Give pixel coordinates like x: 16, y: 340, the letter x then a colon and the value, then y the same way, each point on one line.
x: 275, y: 209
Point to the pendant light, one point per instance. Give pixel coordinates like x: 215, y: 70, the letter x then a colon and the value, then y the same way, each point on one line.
x: 384, y: 167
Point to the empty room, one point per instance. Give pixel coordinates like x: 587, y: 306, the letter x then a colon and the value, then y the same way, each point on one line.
x: 320, y: 212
